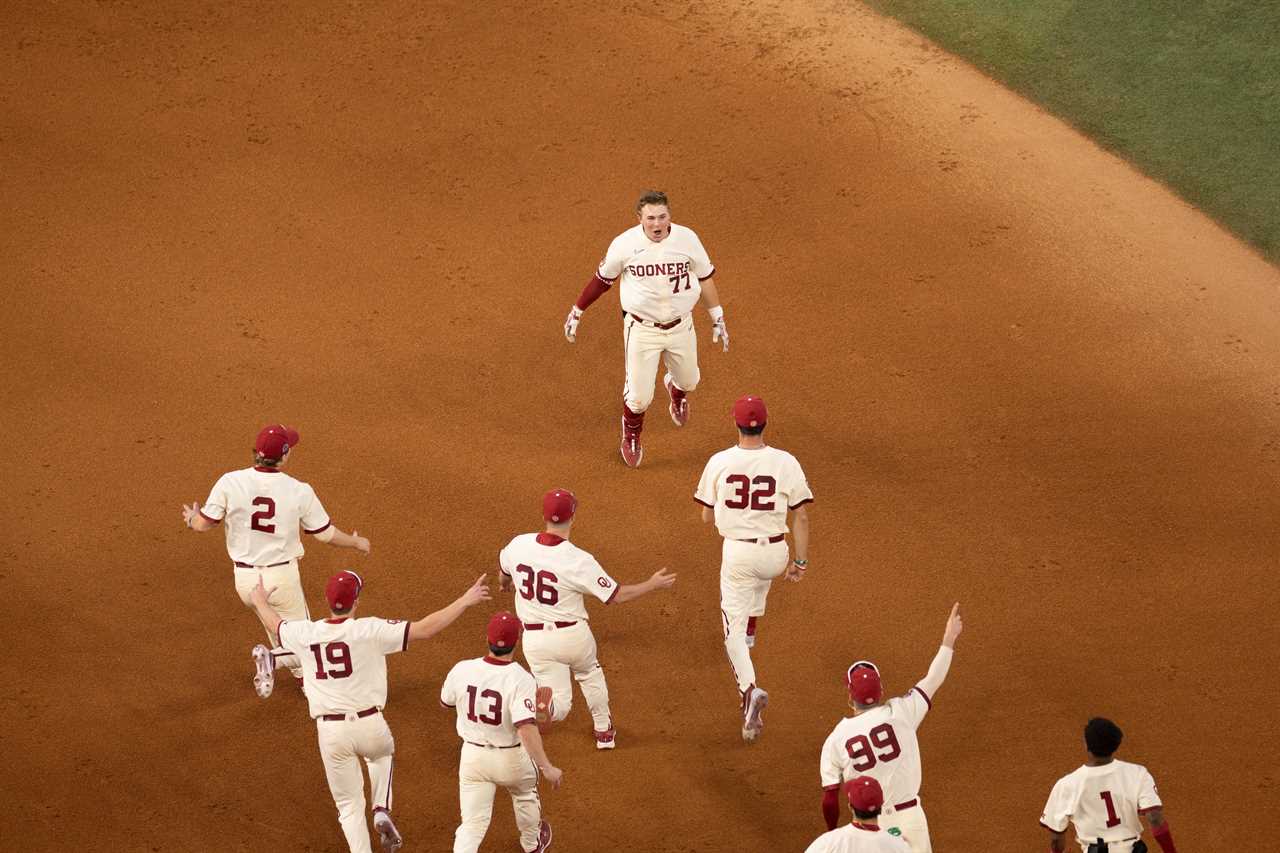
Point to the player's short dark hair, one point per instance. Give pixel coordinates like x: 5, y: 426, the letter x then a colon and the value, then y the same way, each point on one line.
x: 652, y: 197
x: 1102, y: 737
x: 861, y: 815
x: 749, y: 430
x: 499, y: 651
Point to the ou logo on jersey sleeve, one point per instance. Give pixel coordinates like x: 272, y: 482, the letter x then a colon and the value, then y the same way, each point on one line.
x: 604, y: 583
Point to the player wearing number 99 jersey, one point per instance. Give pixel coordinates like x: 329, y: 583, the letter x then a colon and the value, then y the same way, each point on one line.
x: 345, y: 679
x: 264, y: 508
x: 879, y: 741
x: 551, y: 576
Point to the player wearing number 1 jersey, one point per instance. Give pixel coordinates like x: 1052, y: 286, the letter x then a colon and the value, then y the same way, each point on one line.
x: 345, y: 679
x: 1105, y: 799
x: 551, y: 577
x: 879, y: 741
x: 264, y: 508
x: 748, y: 490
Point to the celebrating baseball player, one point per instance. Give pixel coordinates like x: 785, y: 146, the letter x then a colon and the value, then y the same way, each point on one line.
x: 665, y: 271
x: 863, y: 835
x: 879, y: 741
x: 551, y: 575
x: 264, y: 508
x: 1104, y: 798
x: 748, y: 490
x: 344, y: 675
x: 494, y: 698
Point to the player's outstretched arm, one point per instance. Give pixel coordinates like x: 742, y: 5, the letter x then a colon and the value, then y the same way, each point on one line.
x: 942, y: 660
x: 661, y: 579
x: 595, y: 288
x: 429, y: 626
x: 1160, y: 829
x: 532, y: 740
x: 331, y: 535
x: 258, y: 597
x: 192, y: 518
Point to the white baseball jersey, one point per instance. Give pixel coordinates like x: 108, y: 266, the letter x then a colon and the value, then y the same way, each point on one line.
x: 880, y: 743
x: 344, y: 663
x: 551, y: 575
x: 263, y: 508
x: 492, y: 697
x: 751, y: 491
x: 660, y: 281
x: 1103, y: 802
x: 853, y: 838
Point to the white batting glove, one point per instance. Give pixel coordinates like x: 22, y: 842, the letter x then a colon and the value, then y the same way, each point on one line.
x: 720, y: 333
x: 571, y: 324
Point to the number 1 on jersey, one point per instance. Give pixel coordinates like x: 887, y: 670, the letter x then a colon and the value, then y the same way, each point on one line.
x: 1112, y: 818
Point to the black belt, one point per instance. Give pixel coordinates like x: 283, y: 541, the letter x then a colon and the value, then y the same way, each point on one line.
x: 490, y: 746
x: 663, y: 326
x: 240, y: 565
x: 333, y: 718
x: 772, y: 539
x: 538, y: 626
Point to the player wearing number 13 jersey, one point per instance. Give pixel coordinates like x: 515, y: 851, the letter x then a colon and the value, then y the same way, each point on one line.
x: 264, y: 508
x: 879, y: 741
x: 748, y: 490
x: 551, y: 577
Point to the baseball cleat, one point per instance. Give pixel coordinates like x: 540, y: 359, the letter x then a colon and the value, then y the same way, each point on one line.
x: 264, y: 679
x: 606, y: 739
x: 632, y: 449
x: 544, y: 838
x: 544, y: 708
x: 388, y: 835
x: 753, y: 719
x: 678, y: 408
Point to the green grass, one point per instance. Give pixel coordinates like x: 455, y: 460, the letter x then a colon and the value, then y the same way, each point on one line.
x: 1187, y: 90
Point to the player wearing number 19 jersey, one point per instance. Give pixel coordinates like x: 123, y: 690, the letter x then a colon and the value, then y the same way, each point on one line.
x: 879, y: 741
x: 551, y: 576
x: 748, y: 490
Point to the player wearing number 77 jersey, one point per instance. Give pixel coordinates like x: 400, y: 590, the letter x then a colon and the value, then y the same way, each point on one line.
x: 1104, y: 799
x: 345, y: 679
x: 879, y: 741
x: 264, y: 508
x: 551, y: 576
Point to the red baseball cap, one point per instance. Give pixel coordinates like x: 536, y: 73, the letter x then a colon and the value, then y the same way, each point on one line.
x: 863, y: 678
x: 864, y: 793
x: 274, y: 441
x: 343, y: 589
x: 559, y: 505
x: 749, y: 411
x: 504, y: 629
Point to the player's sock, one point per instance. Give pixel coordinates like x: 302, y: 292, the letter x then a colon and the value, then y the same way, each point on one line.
x: 632, y: 421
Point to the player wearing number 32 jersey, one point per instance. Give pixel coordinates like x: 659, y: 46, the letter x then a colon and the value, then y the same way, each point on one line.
x: 879, y: 741
x: 264, y: 508
x: 551, y: 577
x: 345, y: 678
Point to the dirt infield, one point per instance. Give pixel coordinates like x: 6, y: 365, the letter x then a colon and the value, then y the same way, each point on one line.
x: 1018, y: 374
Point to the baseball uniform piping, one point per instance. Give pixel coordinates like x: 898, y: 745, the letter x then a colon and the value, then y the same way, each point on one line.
x: 698, y: 500
x: 326, y: 526
x: 609, y: 600
x: 519, y: 723
x: 927, y: 700
x: 1149, y: 809
x: 496, y: 662
x: 802, y: 503
x: 406, y: 637
x: 708, y: 275
x: 210, y: 520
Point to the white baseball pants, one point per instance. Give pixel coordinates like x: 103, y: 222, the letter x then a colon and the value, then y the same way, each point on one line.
x: 288, y: 600
x: 746, y: 571
x: 342, y: 744
x: 643, y: 345
x: 912, y: 825
x: 556, y: 653
x: 481, y: 770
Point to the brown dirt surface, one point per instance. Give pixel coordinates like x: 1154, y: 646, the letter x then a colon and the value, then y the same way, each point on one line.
x: 1018, y: 374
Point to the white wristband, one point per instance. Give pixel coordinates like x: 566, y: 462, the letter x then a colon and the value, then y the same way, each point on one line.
x: 717, y: 313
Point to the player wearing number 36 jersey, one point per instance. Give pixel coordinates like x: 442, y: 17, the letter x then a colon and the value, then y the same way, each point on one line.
x: 879, y: 741
x: 551, y: 577
x: 264, y: 508
x: 345, y: 678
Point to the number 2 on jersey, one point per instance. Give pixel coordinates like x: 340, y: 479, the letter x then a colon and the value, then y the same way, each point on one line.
x: 862, y: 748
x: 538, y: 585
x: 492, y: 717
x: 258, y: 521
x: 743, y: 496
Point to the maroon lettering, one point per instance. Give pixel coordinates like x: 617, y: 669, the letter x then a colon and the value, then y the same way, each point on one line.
x: 538, y: 585
x: 862, y: 750
x: 1112, y: 818
x: 758, y: 499
x: 492, y: 717
x: 258, y: 521
x: 338, y: 654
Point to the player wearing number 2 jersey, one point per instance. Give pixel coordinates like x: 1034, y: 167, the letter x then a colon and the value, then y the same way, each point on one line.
x: 264, y: 508
x: 345, y: 679
x: 879, y: 741
x: 1104, y: 800
x: 748, y: 490
x: 501, y: 746
x: 864, y: 835
x: 551, y: 576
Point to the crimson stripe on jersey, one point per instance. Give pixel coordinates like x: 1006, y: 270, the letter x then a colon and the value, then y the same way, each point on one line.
x: 698, y: 500
x: 210, y: 520
x: 609, y: 600
x: 327, y: 525
x: 708, y: 275
x: 802, y: 503
x: 520, y: 723
x: 406, y: 637
x: 1149, y: 809
x: 927, y: 700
